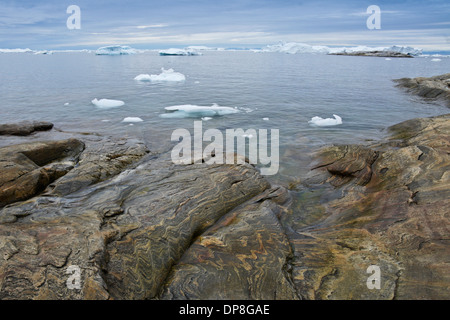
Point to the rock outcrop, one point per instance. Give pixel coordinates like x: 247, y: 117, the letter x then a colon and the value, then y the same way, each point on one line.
x: 436, y: 88
x: 24, y: 128
x: 384, y: 205
x: 127, y: 225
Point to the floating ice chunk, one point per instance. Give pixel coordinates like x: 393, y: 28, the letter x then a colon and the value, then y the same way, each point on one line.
x: 166, y: 75
x: 132, y: 119
x: 115, y: 50
x: 194, y: 111
x: 388, y: 59
x: 320, y: 122
x: 206, y: 118
x: 66, y: 104
x: 179, y: 52
x: 107, y: 103
x: 266, y: 119
x: 436, y: 60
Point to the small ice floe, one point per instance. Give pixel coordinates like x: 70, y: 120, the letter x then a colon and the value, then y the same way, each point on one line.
x: 165, y: 75
x: 388, y: 59
x: 197, y: 82
x: 206, y: 118
x: 132, y: 119
x: 436, y: 60
x: 66, y: 104
x: 106, y: 120
x: 266, y: 119
x: 320, y: 122
x: 107, y: 103
x: 194, y: 111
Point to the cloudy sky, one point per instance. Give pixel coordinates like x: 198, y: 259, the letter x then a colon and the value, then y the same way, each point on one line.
x: 41, y: 24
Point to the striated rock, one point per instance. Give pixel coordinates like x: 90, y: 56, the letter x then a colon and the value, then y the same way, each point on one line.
x: 125, y: 233
x: 24, y: 128
x: 396, y: 218
x: 437, y: 87
x: 245, y: 255
x: 27, y: 169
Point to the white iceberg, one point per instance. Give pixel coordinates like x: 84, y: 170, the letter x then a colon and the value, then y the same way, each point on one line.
x: 107, y: 103
x: 320, y: 122
x: 115, y: 50
x: 194, y: 111
x: 179, y: 52
x: 166, y: 75
x: 298, y: 48
x: 132, y: 119
x: 44, y: 52
x: 27, y: 50
x: 295, y: 47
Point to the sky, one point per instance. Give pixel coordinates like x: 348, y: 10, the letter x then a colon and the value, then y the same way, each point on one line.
x: 150, y: 24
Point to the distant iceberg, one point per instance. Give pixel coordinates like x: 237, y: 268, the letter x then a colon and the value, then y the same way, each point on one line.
x: 115, y: 50
x: 107, y: 103
x: 298, y: 48
x: 295, y: 47
x: 320, y: 122
x: 43, y: 52
x: 165, y: 75
x: 27, y: 50
x: 179, y: 52
x: 194, y: 111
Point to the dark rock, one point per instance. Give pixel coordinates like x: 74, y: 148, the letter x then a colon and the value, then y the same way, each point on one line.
x: 436, y: 88
x: 27, y: 169
x: 24, y: 128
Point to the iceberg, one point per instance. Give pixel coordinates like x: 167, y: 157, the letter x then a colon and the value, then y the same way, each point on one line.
x: 132, y: 119
x: 43, y: 52
x: 115, y: 50
x: 194, y: 111
x: 320, y: 122
x: 27, y: 50
x: 107, y: 103
x: 179, y: 52
x: 295, y: 47
x: 298, y: 48
x: 165, y: 75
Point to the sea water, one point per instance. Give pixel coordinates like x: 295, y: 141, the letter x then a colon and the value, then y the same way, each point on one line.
x: 270, y: 90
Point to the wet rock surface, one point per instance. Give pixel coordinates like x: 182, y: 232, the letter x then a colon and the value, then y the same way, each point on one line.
x: 384, y: 205
x: 24, y: 128
x: 436, y: 88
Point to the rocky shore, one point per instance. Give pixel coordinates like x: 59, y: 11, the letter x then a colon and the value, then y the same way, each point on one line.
x: 137, y: 226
